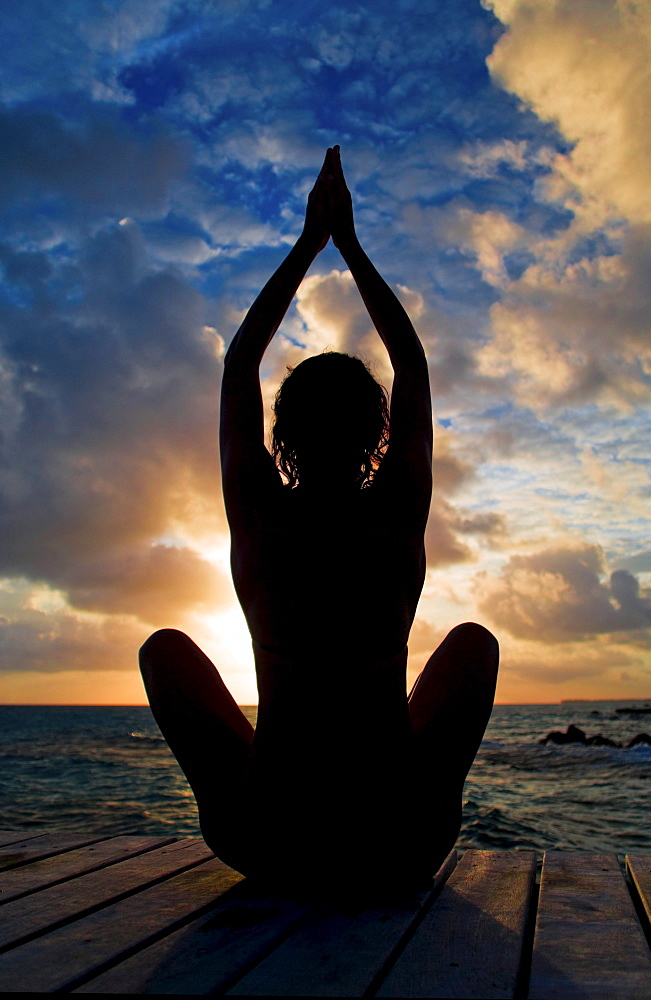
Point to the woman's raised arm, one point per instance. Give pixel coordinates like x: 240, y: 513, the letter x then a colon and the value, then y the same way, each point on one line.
x: 267, y: 312
x: 410, y: 444
x: 243, y: 453
x: 388, y: 315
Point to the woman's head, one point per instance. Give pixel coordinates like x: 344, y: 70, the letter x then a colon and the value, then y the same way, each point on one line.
x: 332, y: 420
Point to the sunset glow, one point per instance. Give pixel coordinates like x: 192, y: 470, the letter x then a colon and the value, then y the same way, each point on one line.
x: 157, y: 162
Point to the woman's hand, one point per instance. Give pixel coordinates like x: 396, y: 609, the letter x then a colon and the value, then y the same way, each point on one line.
x: 340, y: 217
x: 316, y: 215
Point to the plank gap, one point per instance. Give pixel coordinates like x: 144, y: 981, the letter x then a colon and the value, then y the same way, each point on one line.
x: 320, y: 910
x: 638, y: 903
x: 469, y: 943
x: 589, y: 941
x: 442, y: 876
x: 34, y: 847
x: 215, y: 951
x: 153, y: 938
x: 48, y: 883
x: 96, y: 907
x: 524, y: 971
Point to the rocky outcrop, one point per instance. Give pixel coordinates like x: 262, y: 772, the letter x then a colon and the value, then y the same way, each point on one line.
x: 575, y: 735
x: 602, y: 741
x: 640, y: 738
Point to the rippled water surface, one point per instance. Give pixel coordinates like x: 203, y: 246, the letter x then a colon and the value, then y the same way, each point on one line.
x: 108, y: 771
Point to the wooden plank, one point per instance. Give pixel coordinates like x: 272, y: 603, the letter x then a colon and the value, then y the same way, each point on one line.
x: 639, y: 868
x: 62, y: 959
x: 469, y: 944
x: 31, y: 915
x: 588, y: 941
x: 210, y: 953
x: 341, y: 952
x: 22, y: 852
x: 12, y: 836
x: 49, y: 871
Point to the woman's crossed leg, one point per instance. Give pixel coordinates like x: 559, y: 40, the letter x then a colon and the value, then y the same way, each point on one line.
x: 449, y: 707
x: 209, y: 736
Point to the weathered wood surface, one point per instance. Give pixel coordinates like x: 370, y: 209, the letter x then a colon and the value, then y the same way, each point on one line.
x: 23, y: 918
x: 12, y: 836
x: 50, y: 871
x: 58, y: 960
x: 132, y: 915
x: 639, y: 868
x: 470, y: 944
x: 32, y: 848
x: 210, y: 953
x: 344, y: 951
x: 589, y: 944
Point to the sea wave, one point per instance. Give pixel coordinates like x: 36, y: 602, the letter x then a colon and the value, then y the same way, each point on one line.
x: 108, y: 771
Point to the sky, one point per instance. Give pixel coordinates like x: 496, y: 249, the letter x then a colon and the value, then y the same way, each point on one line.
x: 155, y: 159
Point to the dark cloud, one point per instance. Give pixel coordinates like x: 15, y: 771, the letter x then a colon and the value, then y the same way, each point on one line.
x: 640, y: 562
x: 442, y: 544
x: 450, y: 471
x: 157, y: 584
x: 448, y: 524
x: 559, y: 594
x: 488, y: 523
x: 97, y: 166
x: 40, y: 641
x: 110, y: 436
x: 446, y: 527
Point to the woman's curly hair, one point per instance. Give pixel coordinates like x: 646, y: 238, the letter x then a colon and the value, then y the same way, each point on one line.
x: 330, y: 400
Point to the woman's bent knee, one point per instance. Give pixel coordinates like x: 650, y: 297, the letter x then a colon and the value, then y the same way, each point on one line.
x: 473, y: 640
x: 475, y: 634
x: 161, y: 644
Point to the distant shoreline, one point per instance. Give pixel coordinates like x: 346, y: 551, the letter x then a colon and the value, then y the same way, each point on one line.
x: 523, y: 704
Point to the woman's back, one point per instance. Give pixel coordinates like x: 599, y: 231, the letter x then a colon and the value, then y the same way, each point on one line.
x: 322, y: 574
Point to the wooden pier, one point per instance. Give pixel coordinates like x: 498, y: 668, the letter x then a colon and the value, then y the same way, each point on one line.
x: 163, y: 915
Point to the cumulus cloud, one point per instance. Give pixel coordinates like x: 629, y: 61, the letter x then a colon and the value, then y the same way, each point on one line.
x: 586, y: 67
x: 559, y: 594
x: 448, y: 529
x: 79, y: 53
x: 100, y: 167
x: 334, y: 315
x: 48, y: 642
x: 110, y: 441
x: 450, y: 470
x: 575, y: 326
x: 40, y: 632
x: 579, y: 335
x: 156, y: 583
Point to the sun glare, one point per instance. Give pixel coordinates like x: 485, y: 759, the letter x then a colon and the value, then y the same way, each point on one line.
x: 226, y: 640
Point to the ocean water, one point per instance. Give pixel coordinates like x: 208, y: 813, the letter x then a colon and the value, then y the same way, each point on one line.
x: 107, y: 770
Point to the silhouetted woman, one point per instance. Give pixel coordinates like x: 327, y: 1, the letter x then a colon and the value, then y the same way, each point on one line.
x: 344, y: 780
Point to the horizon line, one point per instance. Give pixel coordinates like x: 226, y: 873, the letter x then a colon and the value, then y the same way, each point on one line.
x: 62, y: 704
